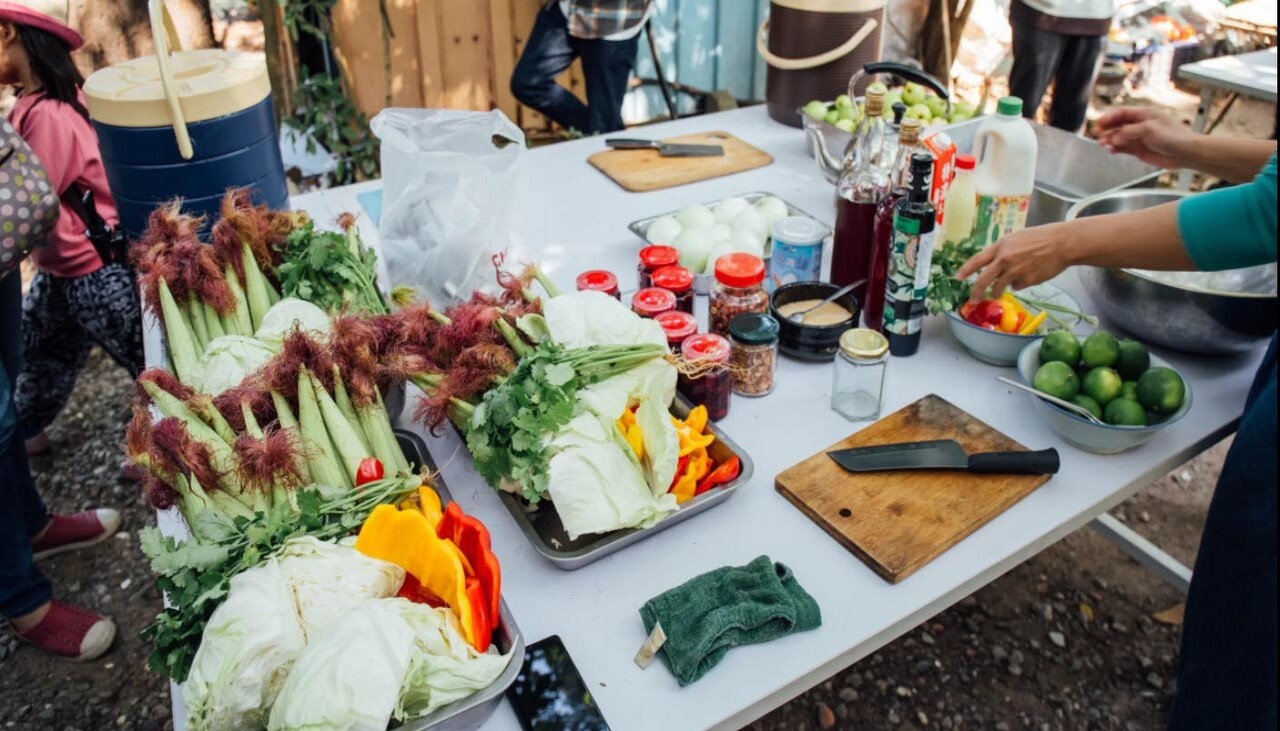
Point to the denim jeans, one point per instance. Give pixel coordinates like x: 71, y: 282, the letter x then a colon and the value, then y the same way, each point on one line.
x: 22, y: 514
x: 605, y: 68
x: 1227, y: 666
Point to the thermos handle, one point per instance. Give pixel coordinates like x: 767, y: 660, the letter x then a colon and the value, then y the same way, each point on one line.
x: 166, y: 39
x: 797, y: 64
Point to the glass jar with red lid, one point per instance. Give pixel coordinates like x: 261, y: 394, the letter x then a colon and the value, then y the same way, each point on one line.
x: 652, y: 301
x: 710, y: 383
x: 678, y: 326
x: 678, y: 281
x: 738, y: 290
x: 599, y: 280
x: 653, y: 258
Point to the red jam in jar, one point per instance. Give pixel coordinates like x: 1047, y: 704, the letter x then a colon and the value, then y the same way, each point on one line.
x: 652, y: 301
x: 599, y: 280
x: 653, y: 258
x: 708, y: 353
x: 678, y: 326
x: 678, y: 281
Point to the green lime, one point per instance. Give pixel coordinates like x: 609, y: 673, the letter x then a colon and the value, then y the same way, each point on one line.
x: 1129, y: 390
x: 1161, y: 390
x: 1087, y: 403
x: 1133, y: 361
x: 1060, y: 346
x: 1100, y: 349
x: 1102, y: 385
x: 1125, y: 412
x: 1057, y: 379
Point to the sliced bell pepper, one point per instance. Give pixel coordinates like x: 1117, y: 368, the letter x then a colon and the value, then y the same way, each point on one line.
x: 480, y: 614
x: 726, y: 472
x: 1009, y: 320
x: 472, y: 539
x: 1032, y: 326
x: 692, y: 468
x: 690, y: 432
x: 429, y: 504
x: 406, y: 539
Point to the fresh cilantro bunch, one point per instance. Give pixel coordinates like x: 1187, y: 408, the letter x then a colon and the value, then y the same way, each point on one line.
x: 946, y: 293
x: 331, y: 270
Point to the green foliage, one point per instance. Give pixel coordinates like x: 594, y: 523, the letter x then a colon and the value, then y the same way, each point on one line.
x: 946, y: 293
x: 332, y: 270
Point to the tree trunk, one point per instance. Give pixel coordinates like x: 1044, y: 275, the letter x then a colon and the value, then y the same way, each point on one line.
x: 932, y: 51
x: 118, y: 30
x: 279, y: 50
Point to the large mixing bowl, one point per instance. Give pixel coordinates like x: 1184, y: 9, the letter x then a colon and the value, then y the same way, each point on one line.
x: 1197, y: 312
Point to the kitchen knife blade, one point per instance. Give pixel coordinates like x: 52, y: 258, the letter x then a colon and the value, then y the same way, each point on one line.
x: 944, y: 454
x: 666, y: 149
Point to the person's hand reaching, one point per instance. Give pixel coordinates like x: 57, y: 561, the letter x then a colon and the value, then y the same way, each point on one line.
x: 1146, y: 134
x: 1018, y: 260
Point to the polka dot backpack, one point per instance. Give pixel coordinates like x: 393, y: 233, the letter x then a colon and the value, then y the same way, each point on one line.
x: 28, y: 204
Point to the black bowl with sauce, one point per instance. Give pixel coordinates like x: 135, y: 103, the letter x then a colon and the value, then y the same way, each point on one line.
x: 804, y: 341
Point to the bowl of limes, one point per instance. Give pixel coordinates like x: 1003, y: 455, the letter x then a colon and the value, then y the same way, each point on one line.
x: 1135, y: 393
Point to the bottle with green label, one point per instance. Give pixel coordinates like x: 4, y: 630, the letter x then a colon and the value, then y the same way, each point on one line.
x: 910, y: 258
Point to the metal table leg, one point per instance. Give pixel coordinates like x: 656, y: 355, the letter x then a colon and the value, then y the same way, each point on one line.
x: 1202, y: 114
x: 1143, y: 551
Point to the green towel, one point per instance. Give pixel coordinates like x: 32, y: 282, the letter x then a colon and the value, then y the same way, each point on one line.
x: 733, y: 605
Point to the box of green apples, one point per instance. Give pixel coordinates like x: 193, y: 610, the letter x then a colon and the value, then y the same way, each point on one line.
x: 922, y: 103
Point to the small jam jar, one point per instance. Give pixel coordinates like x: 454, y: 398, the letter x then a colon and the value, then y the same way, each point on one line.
x: 599, y: 280
x: 652, y: 301
x: 678, y: 281
x: 653, y: 258
x: 738, y: 290
x: 754, y: 338
x: 709, y: 355
x: 858, y: 381
x: 678, y: 326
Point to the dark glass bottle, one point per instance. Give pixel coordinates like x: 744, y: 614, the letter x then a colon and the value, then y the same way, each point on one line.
x: 908, y: 144
x: 910, y: 258
x: 861, y: 186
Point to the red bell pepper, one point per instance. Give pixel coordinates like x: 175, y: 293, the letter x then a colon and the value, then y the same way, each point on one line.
x: 479, y: 614
x: 472, y: 539
x: 369, y: 470
x: 726, y: 472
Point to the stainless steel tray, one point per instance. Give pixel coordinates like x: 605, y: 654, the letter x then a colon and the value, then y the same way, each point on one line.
x: 542, y: 526
x: 470, y: 712
x: 702, y: 282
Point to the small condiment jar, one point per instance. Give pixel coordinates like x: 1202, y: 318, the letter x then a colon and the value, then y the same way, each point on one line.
x: 858, y: 381
x: 653, y: 258
x: 754, y: 337
x: 678, y: 326
x: 599, y: 280
x: 652, y: 301
x: 709, y: 355
x: 797, y: 251
x: 678, y: 281
x: 738, y: 290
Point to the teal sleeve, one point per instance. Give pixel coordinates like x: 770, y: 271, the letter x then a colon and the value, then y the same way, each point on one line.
x: 1232, y: 227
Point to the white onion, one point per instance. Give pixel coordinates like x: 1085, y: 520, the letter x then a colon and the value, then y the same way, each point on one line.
x: 717, y: 251
x: 693, y: 244
x: 772, y: 209
x: 720, y: 232
x: 729, y: 208
x: 747, y: 242
x: 751, y: 220
x: 696, y: 217
x: 663, y: 230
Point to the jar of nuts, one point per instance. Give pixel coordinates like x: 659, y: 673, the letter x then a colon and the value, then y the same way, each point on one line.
x: 754, y: 337
x: 738, y: 290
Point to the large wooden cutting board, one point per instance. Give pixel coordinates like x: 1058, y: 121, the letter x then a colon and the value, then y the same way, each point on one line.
x: 897, y: 522
x: 644, y: 170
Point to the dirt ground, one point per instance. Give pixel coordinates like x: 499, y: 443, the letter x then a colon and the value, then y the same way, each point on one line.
x: 1067, y: 640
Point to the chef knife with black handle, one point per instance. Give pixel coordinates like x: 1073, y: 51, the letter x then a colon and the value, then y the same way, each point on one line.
x: 945, y: 454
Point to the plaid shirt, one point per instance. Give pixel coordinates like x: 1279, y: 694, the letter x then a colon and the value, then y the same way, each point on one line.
x: 602, y: 18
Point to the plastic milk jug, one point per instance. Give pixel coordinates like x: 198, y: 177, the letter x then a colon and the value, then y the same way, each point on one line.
x: 1005, y: 150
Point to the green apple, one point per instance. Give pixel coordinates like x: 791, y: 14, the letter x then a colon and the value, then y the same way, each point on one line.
x: 831, y: 117
x: 844, y: 102
x: 960, y: 111
x: 846, y: 125
x: 937, y: 106
x: 850, y: 113
x: 920, y: 112
x: 892, y: 98
x: 913, y: 93
x: 877, y: 86
x: 816, y: 109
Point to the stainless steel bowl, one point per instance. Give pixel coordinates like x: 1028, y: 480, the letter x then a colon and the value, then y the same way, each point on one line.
x: 1213, y: 313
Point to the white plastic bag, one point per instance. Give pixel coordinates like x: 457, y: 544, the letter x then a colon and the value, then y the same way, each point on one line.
x: 448, y: 180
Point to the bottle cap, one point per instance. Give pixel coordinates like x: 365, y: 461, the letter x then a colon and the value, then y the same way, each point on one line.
x: 862, y: 343
x: 652, y: 301
x: 874, y: 102
x: 677, y: 325
x: 909, y: 132
x: 598, y: 280
x: 922, y: 162
x: 739, y: 270
x: 1009, y: 106
x: 674, y: 278
x: 707, y: 347
x: 655, y: 257
x: 965, y: 162
x: 899, y: 110
x: 754, y: 328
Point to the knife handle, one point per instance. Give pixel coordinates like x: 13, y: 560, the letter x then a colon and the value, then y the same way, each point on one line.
x: 1043, y: 462
x: 624, y: 143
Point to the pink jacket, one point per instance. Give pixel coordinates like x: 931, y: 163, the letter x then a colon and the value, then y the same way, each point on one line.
x: 68, y: 148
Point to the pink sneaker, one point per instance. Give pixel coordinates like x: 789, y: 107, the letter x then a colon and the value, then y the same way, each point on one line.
x: 72, y: 633
x: 72, y: 532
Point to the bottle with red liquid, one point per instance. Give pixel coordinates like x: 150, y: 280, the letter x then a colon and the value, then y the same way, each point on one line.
x: 908, y: 144
x: 860, y: 188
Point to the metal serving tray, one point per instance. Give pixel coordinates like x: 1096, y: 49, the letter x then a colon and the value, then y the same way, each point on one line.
x: 471, y: 712
x: 542, y: 526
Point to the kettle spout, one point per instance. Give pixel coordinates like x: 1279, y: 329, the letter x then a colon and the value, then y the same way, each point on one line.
x: 830, y: 165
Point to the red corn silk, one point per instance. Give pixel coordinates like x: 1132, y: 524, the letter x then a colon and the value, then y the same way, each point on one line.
x: 274, y: 459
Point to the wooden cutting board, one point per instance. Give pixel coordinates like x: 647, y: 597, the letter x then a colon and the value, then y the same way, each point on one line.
x: 643, y: 170
x: 897, y: 522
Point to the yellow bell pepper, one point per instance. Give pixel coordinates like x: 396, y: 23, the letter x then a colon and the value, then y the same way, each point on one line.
x: 430, y: 505
x: 1033, y: 324
x: 690, y: 431
x: 407, y: 539
x: 696, y: 468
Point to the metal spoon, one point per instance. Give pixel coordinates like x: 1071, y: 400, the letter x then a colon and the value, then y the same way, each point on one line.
x: 799, y: 316
x: 1079, y: 410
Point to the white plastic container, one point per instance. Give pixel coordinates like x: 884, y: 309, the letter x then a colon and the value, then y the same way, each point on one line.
x: 1005, y: 150
x: 960, y: 206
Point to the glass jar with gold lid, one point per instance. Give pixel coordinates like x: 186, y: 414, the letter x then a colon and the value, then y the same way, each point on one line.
x: 858, y: 381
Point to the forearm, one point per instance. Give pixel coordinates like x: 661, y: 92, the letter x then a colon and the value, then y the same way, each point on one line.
x: 1235, y: 159
x: 1144, y: 239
